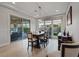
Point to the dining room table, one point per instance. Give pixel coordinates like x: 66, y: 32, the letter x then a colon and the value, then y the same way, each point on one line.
x: 37, y: 35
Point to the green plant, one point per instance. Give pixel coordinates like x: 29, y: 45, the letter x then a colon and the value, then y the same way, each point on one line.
x: 55, y: 33
x: 26, y: 30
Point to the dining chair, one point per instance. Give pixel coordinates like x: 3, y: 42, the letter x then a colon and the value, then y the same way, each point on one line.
x: 31, y: 40
x: 44, y: 40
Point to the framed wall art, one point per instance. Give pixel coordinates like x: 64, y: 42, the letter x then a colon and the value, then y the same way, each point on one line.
x: 69, y: 16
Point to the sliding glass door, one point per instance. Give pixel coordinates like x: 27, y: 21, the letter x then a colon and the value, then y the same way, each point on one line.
x: 45, y: 25
x: 56, y: 28
x: 19, y: 28
x: 53, y: 27
x: 25, y: 28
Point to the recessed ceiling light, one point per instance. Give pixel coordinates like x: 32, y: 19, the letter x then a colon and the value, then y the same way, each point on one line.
x: 13, y: 2
x: 57, y: 10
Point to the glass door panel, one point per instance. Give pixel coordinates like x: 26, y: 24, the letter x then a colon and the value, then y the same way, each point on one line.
x: 26, y: 27
x: 19, y: 28
x: 45, y: 25
x: 15, y: 28
x: 56, y: 27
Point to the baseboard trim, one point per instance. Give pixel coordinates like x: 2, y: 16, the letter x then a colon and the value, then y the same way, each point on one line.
x: 2, y: 45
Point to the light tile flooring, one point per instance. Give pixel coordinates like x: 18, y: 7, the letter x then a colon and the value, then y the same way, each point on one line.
x: 19, y: 49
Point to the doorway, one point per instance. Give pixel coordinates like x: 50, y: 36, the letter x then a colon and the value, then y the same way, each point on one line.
x: 25, y: 28
x: 19, y: 27
x: 56, y: 28
x: 52, y: 27
x: 45, y: 25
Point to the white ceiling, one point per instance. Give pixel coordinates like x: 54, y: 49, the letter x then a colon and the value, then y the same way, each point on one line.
x: 47, y: 8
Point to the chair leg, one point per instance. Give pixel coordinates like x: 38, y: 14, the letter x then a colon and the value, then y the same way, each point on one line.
x: 32, y: 46
x: 47, y: 42
x: 28, y: 46
x: 44, y: 45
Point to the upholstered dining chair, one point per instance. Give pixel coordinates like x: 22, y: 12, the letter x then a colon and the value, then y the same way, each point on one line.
x: 31, y: 40
x: 44, y: 39
x: 67, y: 50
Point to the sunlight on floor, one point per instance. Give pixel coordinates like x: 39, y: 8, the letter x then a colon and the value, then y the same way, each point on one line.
x: 19, y: 49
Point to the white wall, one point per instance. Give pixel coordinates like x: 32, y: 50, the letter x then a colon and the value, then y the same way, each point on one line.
x: 63, y: 23
x: 33, y: 24
x: 5, y: 24
x: 74, y: 28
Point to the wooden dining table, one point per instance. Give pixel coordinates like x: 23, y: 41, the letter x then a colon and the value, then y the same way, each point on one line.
x: 37, y: 36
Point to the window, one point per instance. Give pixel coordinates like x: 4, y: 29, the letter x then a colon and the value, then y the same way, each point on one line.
x: 57, y: 21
